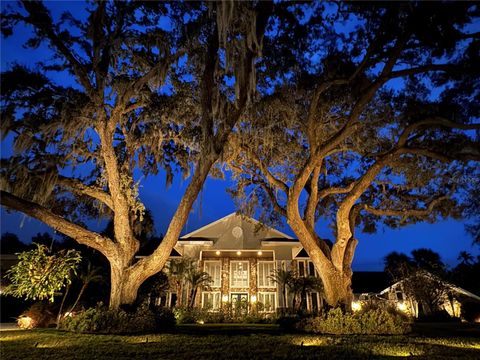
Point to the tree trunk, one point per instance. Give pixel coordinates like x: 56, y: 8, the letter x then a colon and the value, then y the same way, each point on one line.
x: 84, y: 286
x: 124, y: 287
x: 337, y: 287
x: 59, y: 315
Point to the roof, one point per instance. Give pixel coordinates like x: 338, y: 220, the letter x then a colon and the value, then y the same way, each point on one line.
x: 369, y: 281
x: 237, y: 218
x: 302, y: 254
x: 455, y: 288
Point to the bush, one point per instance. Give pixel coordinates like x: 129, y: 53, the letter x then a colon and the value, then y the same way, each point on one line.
x: 39, y: 315
x: 105, y: 321
x: 438, y: 316
x: 290, y: 321
x: 378, y: 321
x: 471, y: 311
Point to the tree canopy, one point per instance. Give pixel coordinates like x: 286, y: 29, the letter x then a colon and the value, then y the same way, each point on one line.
x: 141, y: 96
x: 349, y: 112
x: 369, y: 116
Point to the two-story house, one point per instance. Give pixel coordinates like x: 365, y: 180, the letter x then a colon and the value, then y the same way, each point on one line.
x: 241, y: 254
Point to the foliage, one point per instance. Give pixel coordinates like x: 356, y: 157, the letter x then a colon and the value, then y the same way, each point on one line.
x: 40, y: 275
x: 117, y: 321
x: 143, y: 91
x: 40, y: 315
x: 225, y: 315
x: 471, y: 311
x: 196, y: 279
x: 357, y: 127
x: 370, y: 322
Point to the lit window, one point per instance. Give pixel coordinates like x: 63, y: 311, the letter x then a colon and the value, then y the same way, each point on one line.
x: 239, y: 274
x: 214, y: 269
x: 211, y: 300
x: 265, y: 270
x: 267, y: 300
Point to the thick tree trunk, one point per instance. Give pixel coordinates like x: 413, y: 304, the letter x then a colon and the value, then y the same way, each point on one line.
x: 337, y: 288
x: 124, y: 287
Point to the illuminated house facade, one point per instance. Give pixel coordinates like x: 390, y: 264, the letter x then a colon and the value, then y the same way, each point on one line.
x: 240, y: 254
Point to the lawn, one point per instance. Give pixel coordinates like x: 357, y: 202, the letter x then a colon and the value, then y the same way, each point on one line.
x: 238, y: 342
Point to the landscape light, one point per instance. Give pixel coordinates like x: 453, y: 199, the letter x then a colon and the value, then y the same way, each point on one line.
x: 225, y: 298
x: 402, y: 306
x: 253, y: 298
x: 356, y: 306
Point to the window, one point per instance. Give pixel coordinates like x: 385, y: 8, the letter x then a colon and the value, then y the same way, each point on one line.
x: 211, y: 300
x: 268, y: 301
x: 214, y: 269
x: 301, y: 268
x: 399, y: 295
x: 239, y: 274
x: 311, y: 269
x: 265, y: 270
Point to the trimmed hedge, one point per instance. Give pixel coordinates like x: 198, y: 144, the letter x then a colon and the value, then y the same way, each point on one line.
x: 376, y: 321
x: 105, y: 321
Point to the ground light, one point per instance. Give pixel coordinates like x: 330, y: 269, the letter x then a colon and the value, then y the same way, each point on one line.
x: 356, y: 306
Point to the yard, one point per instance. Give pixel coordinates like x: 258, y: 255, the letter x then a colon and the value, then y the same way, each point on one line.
x: 450, y: 341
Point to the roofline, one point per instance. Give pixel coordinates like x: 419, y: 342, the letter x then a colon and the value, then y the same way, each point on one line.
x: 450, y: 285
x: 190, y: 234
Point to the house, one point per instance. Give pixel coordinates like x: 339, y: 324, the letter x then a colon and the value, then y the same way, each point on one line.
x: 450, y: 296
x: 240, y: 254
x: 373, y: 287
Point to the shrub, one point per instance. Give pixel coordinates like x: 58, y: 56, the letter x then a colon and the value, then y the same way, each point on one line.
x: 376, y: 321
x: 438, y: 316
x: 290, y: 321
x: 105, y: 321
x: 39, y: 315
x: 471, y: 311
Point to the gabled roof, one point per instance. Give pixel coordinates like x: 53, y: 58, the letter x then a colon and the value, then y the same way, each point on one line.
x: 238, y: 218
x: 302, y: 254
x: 428, y: 274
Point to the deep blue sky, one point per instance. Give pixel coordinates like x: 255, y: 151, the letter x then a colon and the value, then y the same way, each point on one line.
x: 447, y: 237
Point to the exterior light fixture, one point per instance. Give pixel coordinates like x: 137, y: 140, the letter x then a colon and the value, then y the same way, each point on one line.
x: 253, y: 298
x: 259, y: 253
x: 225, y: 298
x: 402, y: 306
x: 239, y: 253
x: 356, y: 306
x: 217, y: 252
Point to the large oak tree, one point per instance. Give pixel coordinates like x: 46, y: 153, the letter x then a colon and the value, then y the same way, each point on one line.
x: 369, y: 114
x: 147, y: 88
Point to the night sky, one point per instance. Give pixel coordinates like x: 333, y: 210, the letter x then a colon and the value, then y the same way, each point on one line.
x: 447, y: 238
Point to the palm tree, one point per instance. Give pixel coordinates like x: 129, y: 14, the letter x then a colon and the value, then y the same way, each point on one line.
x: 465, y: 258
x: 88, y: 276
x: 282, y: 278
x: 177, y: 271
x: 196, y: 278
x: 301, y: 285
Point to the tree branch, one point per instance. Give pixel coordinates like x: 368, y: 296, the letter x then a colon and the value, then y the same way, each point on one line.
x: 77, y: 232
x: 406, y: 212
x: 80, y: 188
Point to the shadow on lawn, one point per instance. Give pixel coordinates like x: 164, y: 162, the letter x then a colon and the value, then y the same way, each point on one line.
x: 447, y: 330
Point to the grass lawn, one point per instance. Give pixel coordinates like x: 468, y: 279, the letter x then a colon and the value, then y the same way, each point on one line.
x: 241, y: 342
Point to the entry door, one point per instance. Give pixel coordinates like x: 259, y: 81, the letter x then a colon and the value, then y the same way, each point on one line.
x: 239, y: 303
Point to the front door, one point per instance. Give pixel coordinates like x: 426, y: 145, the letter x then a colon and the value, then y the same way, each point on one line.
x: 239, y: 303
